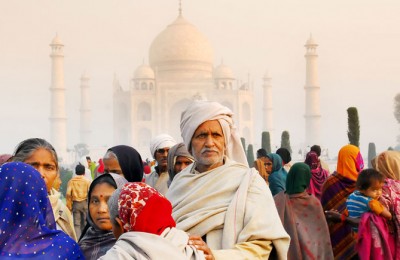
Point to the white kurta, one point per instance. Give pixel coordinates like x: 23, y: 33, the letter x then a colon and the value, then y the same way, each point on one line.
x: 233, y: 206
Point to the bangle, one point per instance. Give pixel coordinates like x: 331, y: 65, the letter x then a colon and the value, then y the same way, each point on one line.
x: 342, y: 218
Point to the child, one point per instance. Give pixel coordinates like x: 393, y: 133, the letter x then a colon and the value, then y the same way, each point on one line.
x: 369, y: 188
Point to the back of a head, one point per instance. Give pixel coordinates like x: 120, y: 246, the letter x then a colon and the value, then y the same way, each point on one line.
x: 317, y: 149
x: 298, y: 178
x: 261, y: 153
x: 284, y: 154
x: 80, y: 169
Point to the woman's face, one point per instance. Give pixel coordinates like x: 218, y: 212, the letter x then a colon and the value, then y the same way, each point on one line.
x: 43, y: 161
x: 98, y: 207
x: 112, y: 165
x: 268, y: 164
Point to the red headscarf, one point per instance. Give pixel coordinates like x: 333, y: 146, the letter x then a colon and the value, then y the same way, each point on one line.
x: 144, y: 209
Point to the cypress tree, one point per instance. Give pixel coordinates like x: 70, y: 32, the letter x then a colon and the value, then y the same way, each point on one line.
x: 353, y: 132
x: 371, y: 153
x: 285, y: 141
x: 250, y: 155
x: 243, y: 144
x: 266, y: 141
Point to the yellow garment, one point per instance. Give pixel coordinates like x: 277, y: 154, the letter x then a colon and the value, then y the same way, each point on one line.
x: 77, y: 190
x: 62, y: 215
x: 376, y: 206
x: 346, y: 164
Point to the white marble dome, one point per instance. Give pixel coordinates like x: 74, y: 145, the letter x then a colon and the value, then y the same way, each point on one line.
x: 181, y: 47
x: 223, y: 72
x: 144, y: 72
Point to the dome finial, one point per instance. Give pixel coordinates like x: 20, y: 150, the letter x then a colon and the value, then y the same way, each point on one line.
x: 180, y: 7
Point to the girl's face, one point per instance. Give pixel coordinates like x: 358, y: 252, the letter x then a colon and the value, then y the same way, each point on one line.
x: 98, y: 207
x: 44, y: 162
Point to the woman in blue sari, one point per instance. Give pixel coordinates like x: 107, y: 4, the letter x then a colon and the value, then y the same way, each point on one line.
x: 27, y: 222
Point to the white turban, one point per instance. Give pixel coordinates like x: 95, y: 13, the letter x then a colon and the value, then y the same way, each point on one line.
x: 200, y: 111
x: 161, y: 141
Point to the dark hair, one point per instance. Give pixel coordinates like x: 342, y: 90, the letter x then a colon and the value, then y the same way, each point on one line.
x: 317, y: 149
x: 80, y: 169
x: 26, y: 148
x: 261, y: 153
x: 367, y: 177
x: 284, y: 154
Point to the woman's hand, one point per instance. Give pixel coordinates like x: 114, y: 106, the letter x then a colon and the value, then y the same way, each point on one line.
x: 198, y: 243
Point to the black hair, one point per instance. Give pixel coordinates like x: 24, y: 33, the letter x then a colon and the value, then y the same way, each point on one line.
x: 261, y: 153
x: 80, y: 169
x: 367, y: 177
x: 317, y: 149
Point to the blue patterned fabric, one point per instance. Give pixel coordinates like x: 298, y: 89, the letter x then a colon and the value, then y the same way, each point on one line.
x: 27, y: 225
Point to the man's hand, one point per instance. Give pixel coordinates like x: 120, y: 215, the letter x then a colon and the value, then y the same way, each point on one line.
x: 198, y: 243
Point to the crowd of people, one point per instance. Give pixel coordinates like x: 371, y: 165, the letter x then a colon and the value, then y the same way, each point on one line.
x: 200, y: 201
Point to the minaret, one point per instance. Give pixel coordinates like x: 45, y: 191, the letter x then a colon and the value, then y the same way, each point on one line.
x: 267, y: 107
x: 312, y: 115
x: 58, y: 119
x: 85, y: 120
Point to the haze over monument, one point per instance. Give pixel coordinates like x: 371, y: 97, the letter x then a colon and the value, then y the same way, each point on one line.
x: 358, y: 60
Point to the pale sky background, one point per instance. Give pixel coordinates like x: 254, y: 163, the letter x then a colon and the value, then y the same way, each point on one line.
x: 359, y: 60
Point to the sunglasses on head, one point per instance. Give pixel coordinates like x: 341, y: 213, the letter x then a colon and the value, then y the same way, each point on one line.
x: 162, y: 150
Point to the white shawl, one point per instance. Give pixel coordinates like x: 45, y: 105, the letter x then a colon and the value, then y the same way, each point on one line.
x: 171, y: 244
x: 233, y: 200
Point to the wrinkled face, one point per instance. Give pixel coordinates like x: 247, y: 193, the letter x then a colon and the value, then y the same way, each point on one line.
x: 98, y: 207
x: 112, y: 165
x: 44, y: 162
x: 181, y: 163
x: 161, y: 158
x: 374, y: 191
x: 208, y: 146
x: 267, y: 164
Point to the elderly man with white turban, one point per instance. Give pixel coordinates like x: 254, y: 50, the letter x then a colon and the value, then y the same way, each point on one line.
x: 223, y: 204
x: 159, y: 147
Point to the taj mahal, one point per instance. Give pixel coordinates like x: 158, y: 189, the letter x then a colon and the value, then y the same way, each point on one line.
x: 181, y: 69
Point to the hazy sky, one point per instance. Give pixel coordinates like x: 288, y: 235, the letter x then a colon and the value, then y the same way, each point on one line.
x: 359, y: 59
